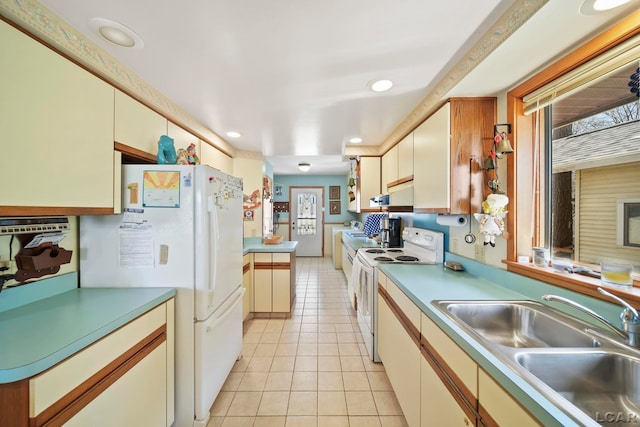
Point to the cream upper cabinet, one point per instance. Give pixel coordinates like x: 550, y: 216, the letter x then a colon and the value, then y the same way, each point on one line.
x: 448, y: 151
x: 138, y: 126
x: 368, y: 184
x: 431, y: 150
x: 389, y: 168
x: 181, y: 137
x: 405, y: 158
x: 397, y: 164
x: 209, y: 155
x: 57, y: 129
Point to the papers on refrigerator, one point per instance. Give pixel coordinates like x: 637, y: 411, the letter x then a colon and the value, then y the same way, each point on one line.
x: 135, y: 243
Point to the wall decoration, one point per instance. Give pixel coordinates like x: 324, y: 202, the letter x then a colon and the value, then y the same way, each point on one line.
x: 334, y: 192
x: 250, y: 203
x: 267, y: 185
x: 281, y: 206
x: 278, y: 189
x: 334, y: 207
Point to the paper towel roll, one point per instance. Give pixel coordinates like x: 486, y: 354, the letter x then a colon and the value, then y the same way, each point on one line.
x: 452, y: 220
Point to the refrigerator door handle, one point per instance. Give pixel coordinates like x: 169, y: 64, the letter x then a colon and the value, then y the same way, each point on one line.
x: 211, y: 324
x: 214, y: 237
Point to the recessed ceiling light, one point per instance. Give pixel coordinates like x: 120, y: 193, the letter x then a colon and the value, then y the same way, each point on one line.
x: 592, y: 7
x: 381, y: 85
x: 355, y: 140
x: 116, y: 33
x: 234, y: 134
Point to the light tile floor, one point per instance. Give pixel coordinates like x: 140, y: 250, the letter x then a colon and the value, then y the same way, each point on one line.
x: 311, y: 370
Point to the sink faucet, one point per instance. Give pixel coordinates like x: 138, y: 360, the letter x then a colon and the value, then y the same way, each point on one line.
x: 629, y: 317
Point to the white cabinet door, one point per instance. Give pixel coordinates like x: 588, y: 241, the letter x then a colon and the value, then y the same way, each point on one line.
x: 57, y: 129
x: 262, y: 283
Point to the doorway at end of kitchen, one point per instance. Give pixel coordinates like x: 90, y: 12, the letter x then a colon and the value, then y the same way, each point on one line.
x: 306, y: 220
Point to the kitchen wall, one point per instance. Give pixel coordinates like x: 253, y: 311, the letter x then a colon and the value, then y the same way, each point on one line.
x: 284, y: 182
x: 251, y: 167
x: 325, y: 181
x: 70, y: 243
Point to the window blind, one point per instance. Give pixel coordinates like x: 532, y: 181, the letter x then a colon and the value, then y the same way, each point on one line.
x: 590, y: 72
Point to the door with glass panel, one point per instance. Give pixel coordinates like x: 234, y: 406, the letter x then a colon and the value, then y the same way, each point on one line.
x: 306, y: 219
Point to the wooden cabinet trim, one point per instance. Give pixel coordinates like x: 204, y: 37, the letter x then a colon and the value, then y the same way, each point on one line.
x: 464, y: 390
x: 14, y: 403
x: 135, y: 152
x: 467, y: 401
x: 487, y: 420
x: 246, y: 268
x: 400, y: 181
x: 52, y: 210
x: 465, y: 404
x: 408, y: 326
x: 281, y: 266
x: 74, y: 401
x: 257, y: 265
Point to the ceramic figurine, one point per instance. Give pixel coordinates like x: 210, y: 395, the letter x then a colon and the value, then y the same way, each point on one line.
x: 492, y: 219
x: 166, y: 151
x: 188, y: 156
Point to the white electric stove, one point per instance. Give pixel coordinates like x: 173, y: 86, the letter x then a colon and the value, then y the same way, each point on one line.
x: 421, y: 246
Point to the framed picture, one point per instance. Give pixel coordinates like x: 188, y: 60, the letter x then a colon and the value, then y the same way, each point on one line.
x: 334, y: 207
x: 334, y: 192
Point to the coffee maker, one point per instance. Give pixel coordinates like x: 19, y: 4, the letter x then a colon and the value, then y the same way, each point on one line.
x: 390, y: 232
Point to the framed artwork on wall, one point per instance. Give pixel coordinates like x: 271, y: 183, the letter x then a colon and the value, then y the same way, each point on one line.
x: 334, y: 192
x: 334, y: 207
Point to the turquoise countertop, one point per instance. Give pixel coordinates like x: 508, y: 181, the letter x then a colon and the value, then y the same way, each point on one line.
x: 254, y: 244
x: 37, y: 335
x: 360, y: 242
x: 425, y: 283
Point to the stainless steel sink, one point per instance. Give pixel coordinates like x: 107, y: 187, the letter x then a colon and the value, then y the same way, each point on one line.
x: 518, y: 324
x: 603, y: 384
x: 583, y: 369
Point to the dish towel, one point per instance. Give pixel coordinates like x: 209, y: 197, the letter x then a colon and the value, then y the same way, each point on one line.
x: 372, y: 223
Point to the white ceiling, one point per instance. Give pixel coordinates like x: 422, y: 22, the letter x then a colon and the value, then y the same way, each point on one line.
x: 292, y: 76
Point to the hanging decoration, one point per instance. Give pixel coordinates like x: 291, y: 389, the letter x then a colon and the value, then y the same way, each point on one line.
x: 500, y: 147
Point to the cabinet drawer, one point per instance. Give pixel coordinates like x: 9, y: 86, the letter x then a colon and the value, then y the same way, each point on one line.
x: 498, y: 408
x: 406, y: 305
x: 459, y: 362
x: 50, y: 386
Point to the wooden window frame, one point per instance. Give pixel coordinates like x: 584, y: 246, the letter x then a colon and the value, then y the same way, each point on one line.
x: 526, y: 206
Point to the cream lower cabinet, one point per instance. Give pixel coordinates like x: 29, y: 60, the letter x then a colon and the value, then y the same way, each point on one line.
x: 273, y: 282
x: 399, y: 346
x: 448, y: 380
x: 125, y: 379
x: 435, y: 381
x: 247, y: 284
x: 497, y: 408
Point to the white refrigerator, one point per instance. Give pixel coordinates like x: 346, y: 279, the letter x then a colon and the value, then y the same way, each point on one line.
x: 181, y: 227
